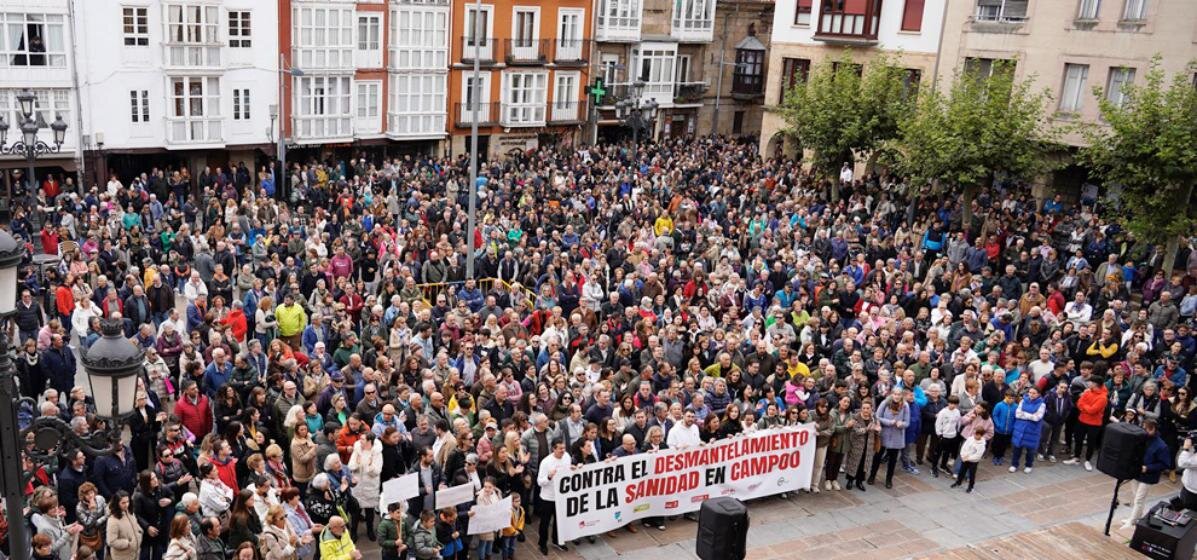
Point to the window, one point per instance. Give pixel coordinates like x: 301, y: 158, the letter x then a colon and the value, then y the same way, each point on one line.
x: 239, y: 35
x: 565, y: 96
x: 912, y: 17
x: 240, y: 104
x: 656, y: 70
x: 419, y: 38
x: 683, y: 69
x: 609, y: 64
x: 136, y: 25
x: 738, y: 122
x: 748, y: 76
x: 48, y: 104
x: 477, y: 29
x: 32, y: 40
x: 802, y: 14
x: 323, y: 106
x: 569, y: 34
x: 692, y: 15
x: 1120, y: 77
x: 793, y: 71
x: 1072, y: 97
x: 417, y: 104
x: 1088, y: 9
x: 367, y: 99
x: 622, y: 14
x: 524, y: 31
x: 191, y: 35
x: 524, y: 97
x: 194, y: 109
x: 369, y: 41
x: 323, y: 37
x: 139, y: 106
x: 1135, y: 10
x: 983, y: 68
x: 1001, y: 10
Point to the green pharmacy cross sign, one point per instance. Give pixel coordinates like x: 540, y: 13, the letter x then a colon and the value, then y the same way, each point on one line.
x: 598, y: 91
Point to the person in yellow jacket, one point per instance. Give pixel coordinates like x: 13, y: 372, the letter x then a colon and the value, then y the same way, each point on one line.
x: 663, y: 225
x: 508, y: 536
x: 292, y: 319
x: 335, y: 543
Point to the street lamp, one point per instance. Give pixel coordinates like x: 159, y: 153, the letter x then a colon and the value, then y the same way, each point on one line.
x: 280, y: 180
x: 112, y: 365
x: 28, y: 145
x: 636, y: 113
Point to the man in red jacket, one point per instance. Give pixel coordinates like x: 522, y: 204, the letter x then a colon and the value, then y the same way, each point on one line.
x: 194, y: 410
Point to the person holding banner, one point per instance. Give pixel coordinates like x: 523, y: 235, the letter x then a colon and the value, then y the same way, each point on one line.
x: 555, y: 463
x: 653, y: 443
x: 488, y: 496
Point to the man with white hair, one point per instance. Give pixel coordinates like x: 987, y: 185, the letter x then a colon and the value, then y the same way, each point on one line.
x: 218, y: 372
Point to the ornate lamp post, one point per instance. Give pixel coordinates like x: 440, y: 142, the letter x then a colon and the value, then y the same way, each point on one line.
x: 636, y: 113
x: 28, y: 144
x: 112, y: 365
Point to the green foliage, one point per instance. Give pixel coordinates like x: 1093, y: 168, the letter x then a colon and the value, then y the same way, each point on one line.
x: 839, y: 114
x: 1148, y: 145
x: 982, y: 126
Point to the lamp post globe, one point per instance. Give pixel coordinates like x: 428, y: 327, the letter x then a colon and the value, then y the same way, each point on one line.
x: 112, y: 365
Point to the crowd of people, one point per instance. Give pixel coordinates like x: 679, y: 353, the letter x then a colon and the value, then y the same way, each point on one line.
x: 624, y: 299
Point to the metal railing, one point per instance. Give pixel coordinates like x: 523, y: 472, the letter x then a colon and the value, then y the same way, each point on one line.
x: 522, y: 114
x: 567, y: 111
x: 485, y: 48
x: 689, y: 91
x: 526, y: 51
x: 463, y: 114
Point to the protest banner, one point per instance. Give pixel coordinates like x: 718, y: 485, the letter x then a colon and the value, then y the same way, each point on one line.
x: 453, y: 495
x: 490, y: 518
x: 399, y: 489
x: 600, y: 497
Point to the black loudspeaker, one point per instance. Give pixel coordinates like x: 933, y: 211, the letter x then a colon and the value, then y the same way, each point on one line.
x: 1155, y: 539
x: 722, y: 529
x: 1122, y: 451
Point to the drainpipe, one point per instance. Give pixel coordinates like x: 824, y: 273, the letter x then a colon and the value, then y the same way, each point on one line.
x: 80, y: 161
x: 943, y: 21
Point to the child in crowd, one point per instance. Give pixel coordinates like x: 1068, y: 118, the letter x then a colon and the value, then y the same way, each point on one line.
x: 970, y: 456
x: 947, y: 436
x: 508, y: 536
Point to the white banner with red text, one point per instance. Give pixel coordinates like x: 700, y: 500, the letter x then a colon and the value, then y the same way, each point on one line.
x: 600, y: 497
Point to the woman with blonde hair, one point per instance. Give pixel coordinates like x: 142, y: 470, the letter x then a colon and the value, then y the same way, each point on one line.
x: 278, y: 541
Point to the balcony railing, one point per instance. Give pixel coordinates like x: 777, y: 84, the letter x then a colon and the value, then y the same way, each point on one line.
x: 849, y: 20
x: 570, y: 111
x: 463, y: 114
x: 194, y: 130
x: 526, y: 51
x: 571, y: 51
x: 522, y: 114
x: 689, y: 92
x: 483, y: 46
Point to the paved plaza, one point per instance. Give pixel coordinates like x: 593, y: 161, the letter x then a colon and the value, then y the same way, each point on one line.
x: 919, y: 518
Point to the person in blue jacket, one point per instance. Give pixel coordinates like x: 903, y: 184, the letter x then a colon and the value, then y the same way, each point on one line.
x: 1028, y: 428
x: 912, y: 432
x: 1003, y: 426
x: 1156, y: 460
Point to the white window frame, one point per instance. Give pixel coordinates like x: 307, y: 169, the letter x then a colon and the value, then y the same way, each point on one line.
x: 367, y: 107
x: 483, y: 92
x: 419, y: 38
x: 368, y: 40
x: 662, y: 59
x: 1120, y: 77
x: 192, y: 35
x: 569, y: 35
x: 682, y: 61
x: 135, y: 24
x: 240, y: 29
x: 1089, y: 9
x: 619, y: 14
x: 524, y: 97
x: 322, y: 36
x: 417, y: 104
x: 567, y: 87
x: 1134, y: 10
x: 522, y: 46
x: 241, y: 104
x: 48, y: 105
x: 609, y: 68
x: 998, y: 11
x: 16, y: 25
x: 194, y: 116
x: 693, y: 15
x: 1074, y: 88
x: 139, y: 106
x: 486, y: 48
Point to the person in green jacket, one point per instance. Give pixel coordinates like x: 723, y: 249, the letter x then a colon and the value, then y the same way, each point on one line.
x: 393, y: 532
x: 335, y: 542
x: 423, y: 538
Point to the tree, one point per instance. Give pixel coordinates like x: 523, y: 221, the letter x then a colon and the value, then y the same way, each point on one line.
x: 1148, y: 145
x: 984, y: 125
x: 839, y: 112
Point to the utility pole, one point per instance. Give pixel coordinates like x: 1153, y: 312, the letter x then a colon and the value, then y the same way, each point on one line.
x: 722, y: 63
x: 474, y: 113
x: 280, y: 183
